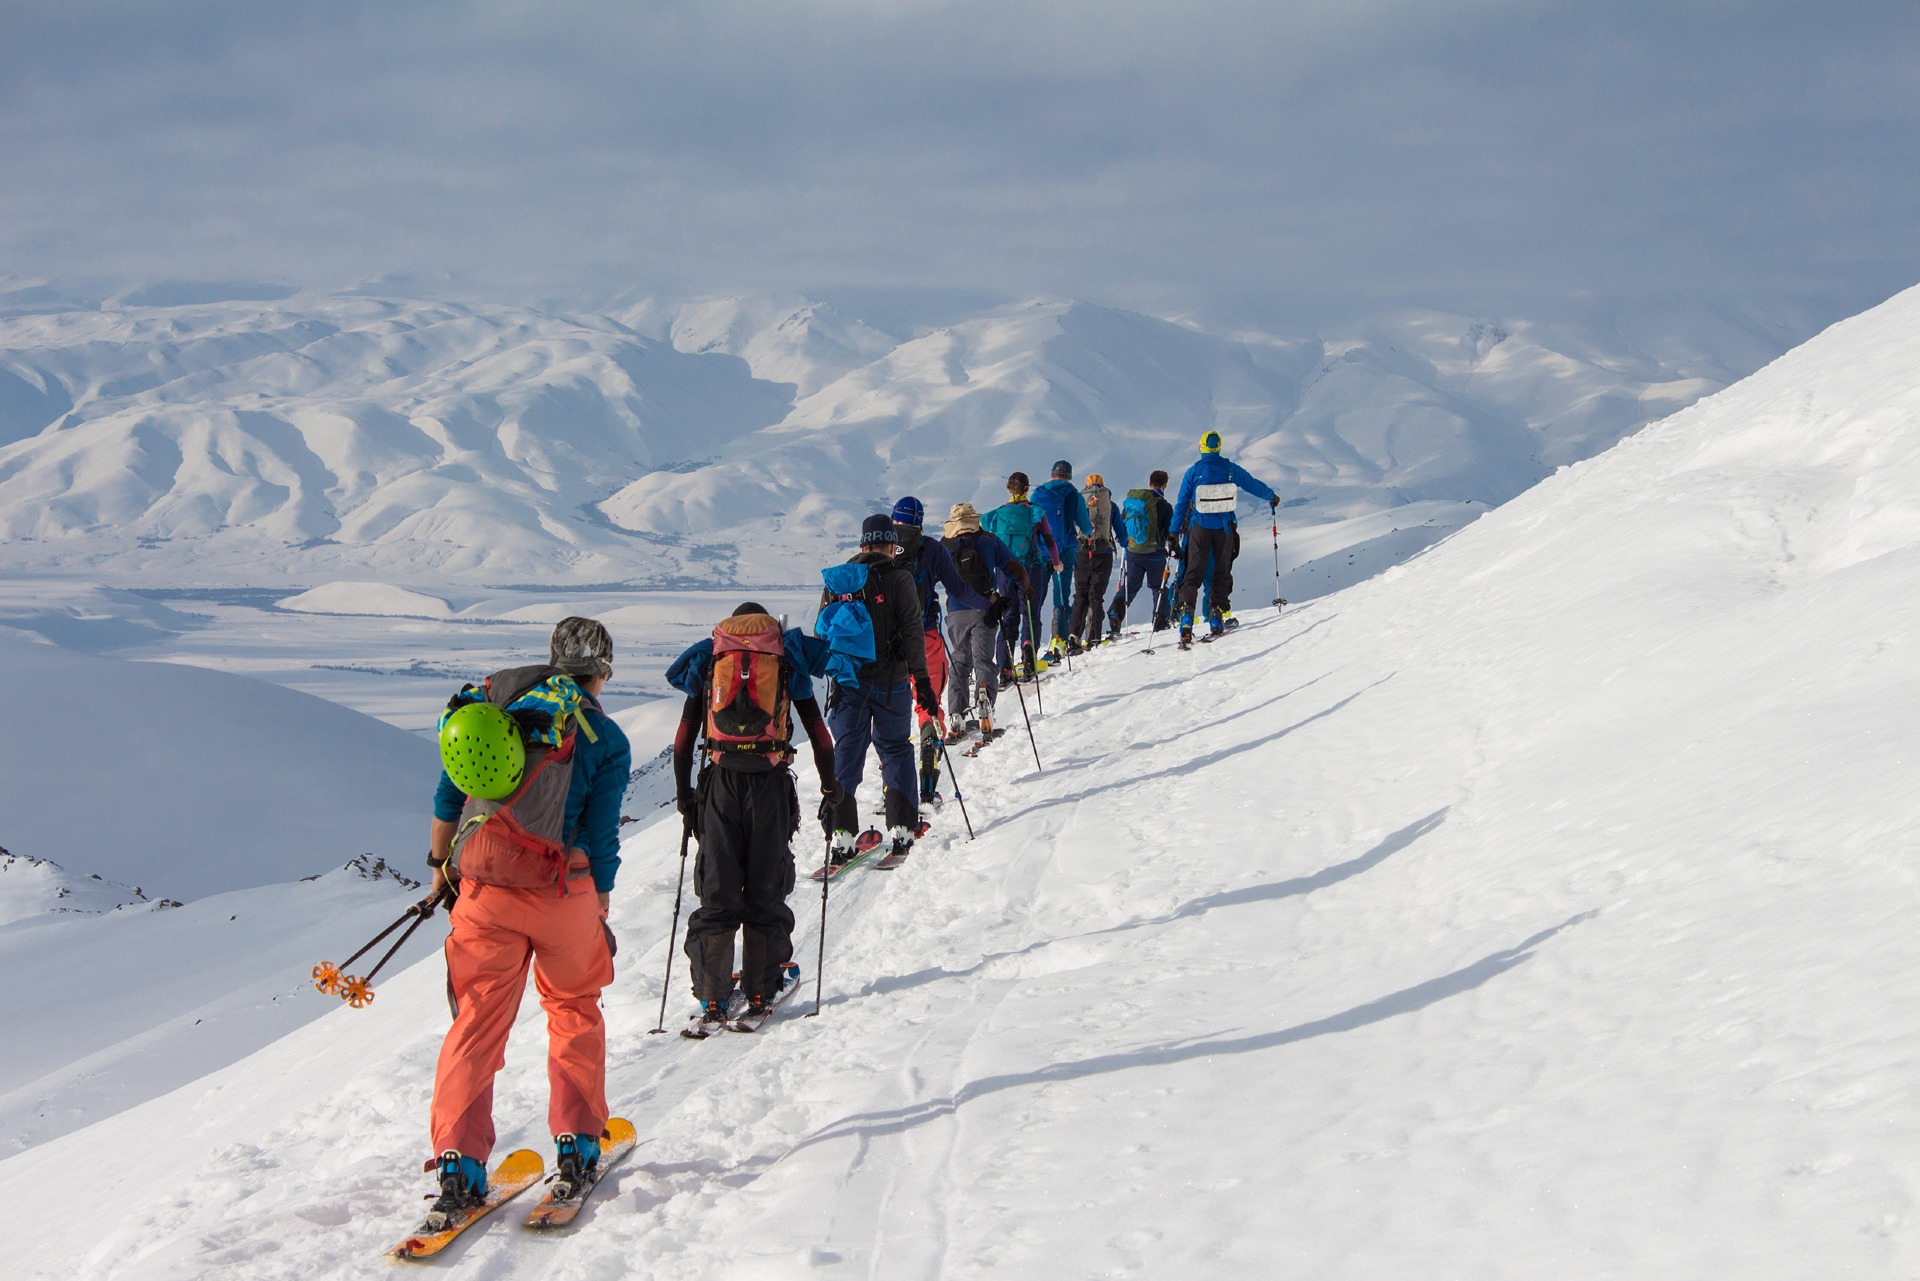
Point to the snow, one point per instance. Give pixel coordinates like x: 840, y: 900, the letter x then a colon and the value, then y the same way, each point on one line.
x: 185, y: 782
x: 1537, y: 907
x: 366, y: 598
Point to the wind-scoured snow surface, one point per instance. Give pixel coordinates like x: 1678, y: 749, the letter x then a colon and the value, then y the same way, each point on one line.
x: 1541, y: 907
x: 163, y: 439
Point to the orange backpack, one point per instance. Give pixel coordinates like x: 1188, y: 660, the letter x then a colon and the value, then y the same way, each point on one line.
x: 748, y: 707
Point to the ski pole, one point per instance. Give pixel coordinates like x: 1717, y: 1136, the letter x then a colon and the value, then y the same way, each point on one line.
x: 948, y: 757
x: 327, y: 976
x: 1029, y: 721
x: 358, y: 992
x: 1279, y: 601
x: 1033, y: 626
x: 820, y: 962
x: 673, y: 935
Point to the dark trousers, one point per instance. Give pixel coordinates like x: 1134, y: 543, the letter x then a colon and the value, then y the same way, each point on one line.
x: 1150, y: 571
x: 1063, y: 584
x: 860, y: 715
x: 743, y: 876
x: 1023, y: 619
x: 1090, y: 575
x: 1204, y: 546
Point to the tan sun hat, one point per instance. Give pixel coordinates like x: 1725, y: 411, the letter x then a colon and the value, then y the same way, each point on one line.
x: 963, y: 519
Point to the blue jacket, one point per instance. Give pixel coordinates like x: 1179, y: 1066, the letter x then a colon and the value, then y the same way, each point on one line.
x: 936, y: 566
x: 600, y: 773
x: 1212, y: 469
x: 1066, y: 514
x: 806, y: 659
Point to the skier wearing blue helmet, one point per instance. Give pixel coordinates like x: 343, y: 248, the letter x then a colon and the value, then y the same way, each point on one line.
x: 1204, y: 518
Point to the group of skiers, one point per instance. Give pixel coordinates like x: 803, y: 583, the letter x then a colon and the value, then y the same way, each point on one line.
x: 526, y: 815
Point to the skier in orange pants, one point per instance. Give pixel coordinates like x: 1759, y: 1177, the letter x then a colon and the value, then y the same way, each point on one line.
x: 534, y: 867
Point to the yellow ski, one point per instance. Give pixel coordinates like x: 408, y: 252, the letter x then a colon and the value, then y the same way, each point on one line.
x: 557, y: 1212
x: 516, y: 1172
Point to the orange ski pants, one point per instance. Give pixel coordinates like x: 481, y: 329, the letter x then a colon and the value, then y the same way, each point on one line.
x: 497, y: 933
x: 937, y: 676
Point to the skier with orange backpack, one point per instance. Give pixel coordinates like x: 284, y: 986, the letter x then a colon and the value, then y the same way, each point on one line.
x: 745, y: 686
x: 526, y: 826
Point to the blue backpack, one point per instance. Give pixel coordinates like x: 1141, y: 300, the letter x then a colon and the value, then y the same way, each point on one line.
x: 845, y: 624
x: 1013, y: 524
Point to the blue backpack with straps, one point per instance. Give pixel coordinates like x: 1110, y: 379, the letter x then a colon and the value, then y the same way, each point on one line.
x: 1013, y: 524
x: 845, y: 623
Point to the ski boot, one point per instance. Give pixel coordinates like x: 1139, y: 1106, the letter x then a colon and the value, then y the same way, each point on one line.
x: 463, y: 1185
x: 900, y: 840
x: 577, y: 1157
x: 840, y: 852
x: 1186, y: 629
x: 1216, y: 624
x: 1026, y: 671
x: 959, y: 733
x: 1227, y: 621
x: 1074, y: 647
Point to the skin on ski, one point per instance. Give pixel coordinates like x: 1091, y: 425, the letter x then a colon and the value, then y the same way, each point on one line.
x: 892, y: 861
x: 516, y: 1172
x: 620, y: 1139
x: 868, y: 842
x: 753, y: 1023
x: 697, y: 1030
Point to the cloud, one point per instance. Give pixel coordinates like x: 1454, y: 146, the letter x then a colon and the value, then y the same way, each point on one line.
x: 1490, y: 154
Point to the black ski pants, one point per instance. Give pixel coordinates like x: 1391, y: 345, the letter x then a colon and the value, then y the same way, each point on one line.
x: 743, y: 876
x: 1090, y: 575
x: 1204, y: 545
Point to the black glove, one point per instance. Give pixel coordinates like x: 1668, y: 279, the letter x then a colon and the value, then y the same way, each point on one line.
x: 688, y: 803
x: 1273, y: 504
x: 998, y: 610
x: 1180, y: 549
x: 923, y: 695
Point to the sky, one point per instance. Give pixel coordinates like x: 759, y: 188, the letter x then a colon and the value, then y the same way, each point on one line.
x: 1231, y: 156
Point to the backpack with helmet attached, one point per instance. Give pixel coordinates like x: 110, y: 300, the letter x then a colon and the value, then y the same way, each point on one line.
x: 1143, y: 514
x: 511, y: 830
x: 749, y: 707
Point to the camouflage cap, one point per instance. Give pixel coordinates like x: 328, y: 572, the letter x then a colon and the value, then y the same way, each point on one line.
x: 581, y: 647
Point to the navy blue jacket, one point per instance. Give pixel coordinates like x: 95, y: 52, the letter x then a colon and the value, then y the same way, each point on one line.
x: 931, y: 563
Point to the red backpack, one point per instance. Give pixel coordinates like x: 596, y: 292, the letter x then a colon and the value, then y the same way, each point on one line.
x: 748, y: 706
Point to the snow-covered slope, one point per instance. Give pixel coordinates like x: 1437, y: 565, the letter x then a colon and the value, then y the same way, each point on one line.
x: 185, y: 782
x: 165, y: 437
x: 1537, y: 908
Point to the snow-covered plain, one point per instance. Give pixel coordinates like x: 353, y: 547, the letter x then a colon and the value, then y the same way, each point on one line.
x: 156, y: 439
x: 1537, y: 908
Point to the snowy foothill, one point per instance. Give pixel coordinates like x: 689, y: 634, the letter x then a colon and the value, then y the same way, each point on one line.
x: 1537, y: 907
x: 365, y: 447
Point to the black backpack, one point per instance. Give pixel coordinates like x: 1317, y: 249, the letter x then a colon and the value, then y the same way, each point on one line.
x: 971, y: 564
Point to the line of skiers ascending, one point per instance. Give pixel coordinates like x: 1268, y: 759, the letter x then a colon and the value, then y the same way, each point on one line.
x: 526, y: 815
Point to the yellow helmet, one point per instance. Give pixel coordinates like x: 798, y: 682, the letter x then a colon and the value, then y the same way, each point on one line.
x: 1210, y: 442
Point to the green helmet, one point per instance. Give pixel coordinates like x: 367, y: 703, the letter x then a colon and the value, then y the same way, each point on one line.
x: 481, y: 748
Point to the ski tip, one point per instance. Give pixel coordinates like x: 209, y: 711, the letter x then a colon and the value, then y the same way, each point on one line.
x: 619, y: 1130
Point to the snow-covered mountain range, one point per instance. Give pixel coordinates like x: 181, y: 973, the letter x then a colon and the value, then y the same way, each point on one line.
x: 1537, y: 908
x: 166, y: 436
